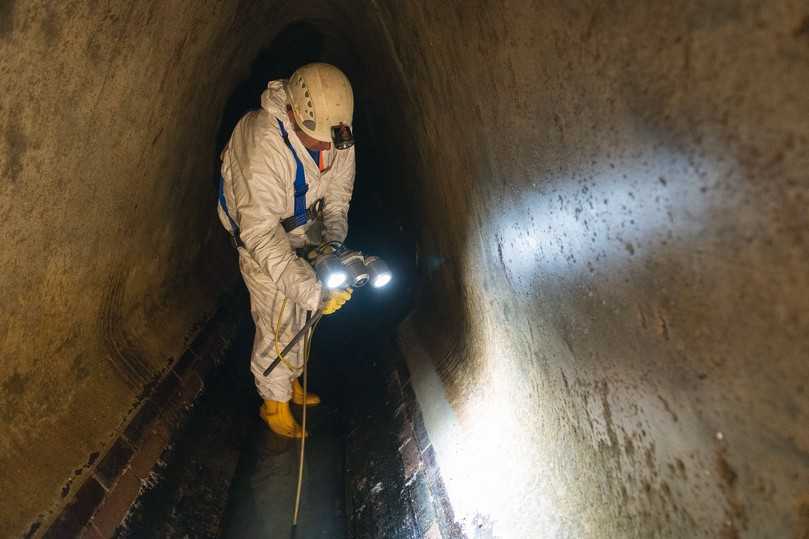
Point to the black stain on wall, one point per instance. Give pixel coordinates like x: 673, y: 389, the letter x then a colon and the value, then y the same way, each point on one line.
x: 50, y: 26
x: 12, y: 391
x: 15, y: 385
x: 6, y: 18
x: 803, y: 29
x: 32, y: 529
x: 16, y: 141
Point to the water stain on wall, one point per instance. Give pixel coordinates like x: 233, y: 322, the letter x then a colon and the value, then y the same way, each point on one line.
x: 6, y: 18
x: 16, y: 144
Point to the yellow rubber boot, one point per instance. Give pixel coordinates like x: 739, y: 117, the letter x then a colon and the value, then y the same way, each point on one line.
x: 279, y: 418
x: 312, y: 399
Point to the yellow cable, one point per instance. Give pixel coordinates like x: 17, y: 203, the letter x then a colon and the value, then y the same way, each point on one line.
x: 296, y: 510
x: 306, y: 349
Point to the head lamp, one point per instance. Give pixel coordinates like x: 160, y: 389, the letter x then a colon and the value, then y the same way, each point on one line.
x: 342, y: 137
x: 330, y: 271
x: 343, y: 268
x: 378, y: 271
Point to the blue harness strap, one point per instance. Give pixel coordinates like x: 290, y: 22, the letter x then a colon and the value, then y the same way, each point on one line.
x: 299, y: 216
x: 234, y: 228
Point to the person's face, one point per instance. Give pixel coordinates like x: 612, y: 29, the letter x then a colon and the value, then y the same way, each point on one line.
x: 309, y: 142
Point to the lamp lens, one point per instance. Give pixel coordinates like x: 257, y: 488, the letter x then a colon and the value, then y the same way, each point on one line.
x: 335, y: 279
x: 382, y: 279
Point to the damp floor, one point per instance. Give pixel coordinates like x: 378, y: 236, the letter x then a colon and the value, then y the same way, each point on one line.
x: 228, y: 475
x: 263, y: 490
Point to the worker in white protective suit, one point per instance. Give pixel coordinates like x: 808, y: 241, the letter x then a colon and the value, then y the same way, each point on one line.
x: 287, y: 178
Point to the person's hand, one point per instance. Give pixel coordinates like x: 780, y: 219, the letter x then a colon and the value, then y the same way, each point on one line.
x: 335, y: 300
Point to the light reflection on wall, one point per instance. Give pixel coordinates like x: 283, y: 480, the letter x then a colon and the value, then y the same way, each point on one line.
x: 488, y: 470
x: 503, y: 461
x: 596, y: 222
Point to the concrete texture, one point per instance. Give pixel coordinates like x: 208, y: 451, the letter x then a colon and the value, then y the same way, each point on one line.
x: 613, y: 202
x: 610, y: 202
x: 110, y: 258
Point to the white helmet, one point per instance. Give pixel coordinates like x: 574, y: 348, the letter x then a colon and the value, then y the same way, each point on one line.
x: 321, y: 99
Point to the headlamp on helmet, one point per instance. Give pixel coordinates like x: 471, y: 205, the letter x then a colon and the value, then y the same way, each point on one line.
x: 342, y: 137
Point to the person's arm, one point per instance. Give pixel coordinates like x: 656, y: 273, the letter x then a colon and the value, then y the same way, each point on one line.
x: 338, y: 198
x: 259, y: 190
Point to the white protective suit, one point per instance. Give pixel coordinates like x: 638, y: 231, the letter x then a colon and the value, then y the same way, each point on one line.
x: 258, y: 172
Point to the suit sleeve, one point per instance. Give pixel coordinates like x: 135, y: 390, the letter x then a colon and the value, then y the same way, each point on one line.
x: 338, y: 198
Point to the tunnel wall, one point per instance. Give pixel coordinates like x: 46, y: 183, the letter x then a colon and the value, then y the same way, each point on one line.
x: 112, y: 259
x: 612, y: 337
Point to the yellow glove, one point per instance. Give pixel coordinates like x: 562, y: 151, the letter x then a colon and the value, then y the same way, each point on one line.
x: 336, y: 299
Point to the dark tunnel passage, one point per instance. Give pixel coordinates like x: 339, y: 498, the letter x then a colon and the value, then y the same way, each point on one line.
x: 596, y: 213
x: 226, y: 474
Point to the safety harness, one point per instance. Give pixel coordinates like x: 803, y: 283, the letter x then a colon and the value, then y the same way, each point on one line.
x: 234, y: 228
x: 301, y: 214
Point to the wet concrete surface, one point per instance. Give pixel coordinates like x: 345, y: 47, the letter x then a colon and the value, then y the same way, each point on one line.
x: 188, y: 491
x: 394, y: 486
x: 227, y: 475
x: 263, y: 491
x: 370, y: 470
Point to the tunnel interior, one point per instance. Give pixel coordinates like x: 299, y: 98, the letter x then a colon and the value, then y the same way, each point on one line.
x: 225, y: 473
x: 595, y: 213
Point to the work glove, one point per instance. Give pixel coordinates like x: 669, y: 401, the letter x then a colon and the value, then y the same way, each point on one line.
x: 335, y: 300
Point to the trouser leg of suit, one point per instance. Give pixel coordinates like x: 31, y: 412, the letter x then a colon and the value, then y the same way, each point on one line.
x: 273, y: 317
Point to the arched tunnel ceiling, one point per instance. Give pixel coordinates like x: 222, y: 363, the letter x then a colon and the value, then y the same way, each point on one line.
x: 611, y: 206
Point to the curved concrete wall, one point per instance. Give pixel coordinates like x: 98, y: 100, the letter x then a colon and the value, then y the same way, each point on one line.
x: 110, y: 256
x: 617, y: 240
x: 611, y: 205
